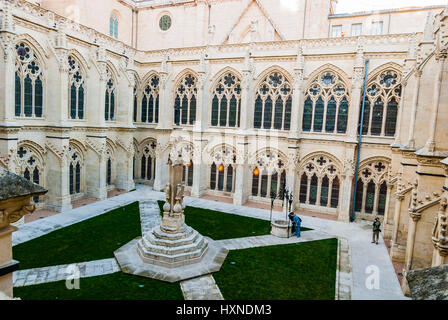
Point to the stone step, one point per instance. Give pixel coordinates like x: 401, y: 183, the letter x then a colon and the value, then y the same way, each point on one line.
x: 173, y: 261
x: 184, y: 233
x: 172, y: 250
x: 155, y: 240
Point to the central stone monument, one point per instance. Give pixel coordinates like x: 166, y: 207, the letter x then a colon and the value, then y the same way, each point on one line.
x: 172, y: 251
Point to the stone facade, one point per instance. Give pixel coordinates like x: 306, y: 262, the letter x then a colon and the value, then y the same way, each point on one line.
x: 253, y: 102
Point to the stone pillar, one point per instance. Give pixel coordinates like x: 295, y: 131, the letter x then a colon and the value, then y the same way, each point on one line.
x: 411, y: 140
x: 95, y: 164
x: 357, y: 92
x: 431, y: 144
x: 246, y: 121
x: 386, y: 224
x: 409, y: 249
x: 200, y: 167
x: 202, y: 108
x: 124, y: 161
x: 243, y: 175
x: 7, y: 84
x: 166, y: 105
x: 57, y: 170
x: 297, y: 97
x: 161, y: 178
x: 346, y: 192
x: 440, y: 238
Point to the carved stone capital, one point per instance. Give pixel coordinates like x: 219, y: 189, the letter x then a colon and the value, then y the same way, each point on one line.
x: 8, y: 217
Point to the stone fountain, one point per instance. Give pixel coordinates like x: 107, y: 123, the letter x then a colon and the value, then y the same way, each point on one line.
x: 172, y: 251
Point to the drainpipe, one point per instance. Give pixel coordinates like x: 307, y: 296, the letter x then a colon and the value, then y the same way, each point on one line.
x: 352, y: 218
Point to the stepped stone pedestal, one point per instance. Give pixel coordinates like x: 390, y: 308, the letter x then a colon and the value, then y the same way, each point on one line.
x: 172, y: 251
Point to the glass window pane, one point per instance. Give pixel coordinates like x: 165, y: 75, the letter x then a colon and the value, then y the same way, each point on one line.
x: 184, y: 110
x: 255, y: 184
x: 143, y: 168
x: 232, y: 112
x: 318, y: 115
x: 391, y: 117
x: 157, y: 110
x: 264, y: 184
x: 71, y: 179
x: 229, y: 183
x: 303, y: 188
x: 106, y: 107
x: 73, y: 102
x: 278, y: 114
x: 370, y: 197
x: 324, y: 191
x: 356, y: 29
x: 258, y: 112
x: 215, y: 106
x: 359, y: 195
x: 177, y: 110
x: 307, y: 114
x: 213, y: 176
x: 313, y: 189
x: 287, y: 124
x: 343, y: 115
x: 112, y: 105
x: 377, y: 117
x: 193, y: 110
x: 220, y: 180
x: 335, y: 193
x: 382, y: 198
x: 190, y: 174
x: 38, y: 98
x: 18, y: 95
x: 267, y: 116
x: 81, y: 102
x: 78, y: 178
x: 144, y: 110
x: 151, y: 109
x: 331, y: 115
x: 28, y: 97
x: 223, y: 112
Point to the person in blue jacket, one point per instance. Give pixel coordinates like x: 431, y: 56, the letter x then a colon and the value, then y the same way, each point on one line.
x: 296, y: 222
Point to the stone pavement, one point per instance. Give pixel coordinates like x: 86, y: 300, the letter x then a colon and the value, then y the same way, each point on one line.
x: 201, y: 288
x: 34, y: 276
x: 367, y: 260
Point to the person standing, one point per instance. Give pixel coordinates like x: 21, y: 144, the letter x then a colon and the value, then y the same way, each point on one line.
x: 376, y: 230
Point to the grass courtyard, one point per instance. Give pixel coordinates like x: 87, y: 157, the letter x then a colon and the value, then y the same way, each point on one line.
x: 297, y: 271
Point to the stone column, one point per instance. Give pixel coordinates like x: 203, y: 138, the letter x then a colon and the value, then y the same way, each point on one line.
x: 124, y: 161
x: 202, y: 109
x: 431, y: 144
x: 200, y: 167
x: 95, y: 164
x: 357, y: 92
x: 440, y: 238
x: 243, y: 174
x: 57, y: 170
x: 411, y: 141
x: 346, y: 192
x: 410, y: 248
x: 387, y: 233
x: 7, y: 67
x: 297, y: 97
x: 247, y: 96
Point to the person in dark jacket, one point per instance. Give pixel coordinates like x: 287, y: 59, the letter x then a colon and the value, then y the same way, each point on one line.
x: 376, y: 230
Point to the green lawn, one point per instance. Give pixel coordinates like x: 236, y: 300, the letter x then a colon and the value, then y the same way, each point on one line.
x: 115, y: 286
x: 304, y: 271
x: 92, y: 239
x: 220, y: 225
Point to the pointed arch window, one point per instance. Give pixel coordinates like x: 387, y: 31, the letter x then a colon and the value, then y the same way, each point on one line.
x: 185, y: 101
x: 226, y: 102
x: 29, y: 97
x: 273, y: 102
x: 29, y: 165
x: 222, y: 177
x: 150, y: 101
x: 187, y: 174
x: 109, y: 108
x: 326, y: 105
x: 113, y: 26
x: 269, y: 176
x: 74, y: 171
x: 135, y: 110
x: 381, y: 104
x: 148, y: 162
x: 372, y: 191
x: 319, y: 182
x: 76, y: 82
